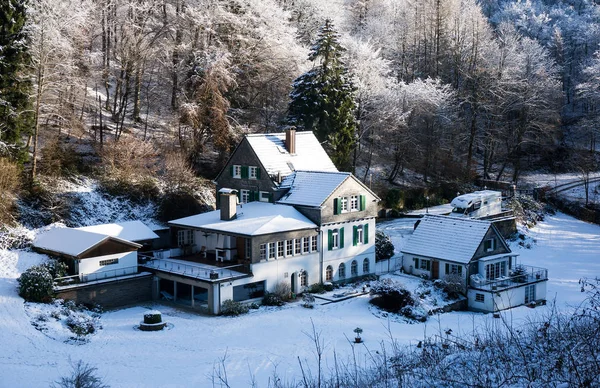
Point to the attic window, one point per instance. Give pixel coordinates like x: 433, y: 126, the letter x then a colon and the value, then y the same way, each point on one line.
x: 489, y: 245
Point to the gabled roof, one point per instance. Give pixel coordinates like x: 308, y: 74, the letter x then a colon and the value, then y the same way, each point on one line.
x: 129, y: 230
x: 270, y: 150
x: 253, y: 219
x: 73, y: 242
x: 311, y: 188
x: 447, y: 238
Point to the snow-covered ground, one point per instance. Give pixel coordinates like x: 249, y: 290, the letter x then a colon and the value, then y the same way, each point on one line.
x: 265, y: 339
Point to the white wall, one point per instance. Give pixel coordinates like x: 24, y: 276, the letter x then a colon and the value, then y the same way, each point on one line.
x: 90, y: 269
x: 390, y: 265
x: 502, y: 300
x: 349, y: 252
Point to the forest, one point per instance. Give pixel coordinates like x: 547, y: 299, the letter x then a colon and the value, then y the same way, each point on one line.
x: 152, y: 95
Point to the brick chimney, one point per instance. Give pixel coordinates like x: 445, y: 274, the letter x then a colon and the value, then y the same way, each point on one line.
x: 290, y: 141
x: 228, y: 204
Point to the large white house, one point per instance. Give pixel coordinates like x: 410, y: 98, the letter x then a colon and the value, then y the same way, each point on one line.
x: 286, y: 216
x: 477, y: 253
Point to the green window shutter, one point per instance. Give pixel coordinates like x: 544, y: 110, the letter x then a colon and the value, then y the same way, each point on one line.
x: 336, y: 206
x: 341, y: 237
x: 416, y: 263
x: 257, y: 172
x: 218, y: 199
x: 271, y: 197
x: 362, y: 202
x: 244, y: 171
x: 330, y: 239
x: 366, y: 233
x: 231, y: 170
x: 460, y: 269
x: 354, y: 235
x: 251, y: 196
x: 428, y: 265
x: 447, y: 268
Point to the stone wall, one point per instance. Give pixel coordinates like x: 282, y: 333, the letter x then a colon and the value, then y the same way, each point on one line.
x: 118, y: 293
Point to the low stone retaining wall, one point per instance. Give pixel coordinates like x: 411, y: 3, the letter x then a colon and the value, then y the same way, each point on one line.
x: 110, y: 294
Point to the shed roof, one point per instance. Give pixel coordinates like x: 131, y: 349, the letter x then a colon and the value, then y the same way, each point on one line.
x: 311, y: 188
x: 447, y: 238
x: 253, y: 219
x: 271, y: 151
x: 129, y: 230
x: 73, y: 242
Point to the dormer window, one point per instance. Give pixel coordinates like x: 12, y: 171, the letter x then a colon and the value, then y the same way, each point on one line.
x: 489, y: 245
x: 344, y: 204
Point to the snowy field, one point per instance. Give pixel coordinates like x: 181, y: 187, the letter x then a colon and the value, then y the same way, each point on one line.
x: 267, y: 339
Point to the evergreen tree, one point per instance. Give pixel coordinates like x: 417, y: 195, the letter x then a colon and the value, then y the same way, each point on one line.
x: 322, y: 99
x: 15, y: 117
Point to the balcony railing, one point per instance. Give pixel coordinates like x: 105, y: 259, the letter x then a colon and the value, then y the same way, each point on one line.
x: 197, y: 271
x: 515, y: 279
x: 93, y: 276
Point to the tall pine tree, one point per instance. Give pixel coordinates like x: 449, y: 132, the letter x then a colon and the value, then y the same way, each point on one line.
x: 15, y: 115
x: 322, y: 99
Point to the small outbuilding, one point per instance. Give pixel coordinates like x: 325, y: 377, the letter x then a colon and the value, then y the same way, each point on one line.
x: 89, y: 256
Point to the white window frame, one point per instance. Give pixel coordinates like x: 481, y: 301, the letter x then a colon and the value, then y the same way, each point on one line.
x: 530, y: 293
x: 329, y: 273
x: 297, y: 246
x: 360, y: 235
x: 454, y: 269
x: 303, y: 279
x: 313, y: 243
x: 289, y: 248
x: 344, y: 204
x: 423, y: 264
x: 342, y: 271
x: 367, y: 264
x: 237, y: 171
x: 305, y: 245
x: 492, y: 242
x: 354, y: 203
x: 252, y: 172
x: 272, y: 250
x: 335, y: 239
x: 354, y: 268
x: 280, y: 248
x: 263, y: 196
x: 245, y: 195
x: 480, y: 298
x: 185, y: 237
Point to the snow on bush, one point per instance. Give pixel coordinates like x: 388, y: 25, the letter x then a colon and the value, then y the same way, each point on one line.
x: 64, y: 321
x: 384, y: 249
x: 17, y: 237
x: 36, y: 284
x: 233, y: 308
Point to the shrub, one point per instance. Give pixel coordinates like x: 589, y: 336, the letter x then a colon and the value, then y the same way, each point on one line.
x: 59, y: 159
x: 81, y: 324
x: 308, y: 301
x: 83, y: 376
x: 390, y: 296
x: 519, y: 274
x: 233, y: 308
x: 272, y: 299
x: 283, y: 290
x: 384, y: 249
x: 452, y: 285
x: 36, y: 284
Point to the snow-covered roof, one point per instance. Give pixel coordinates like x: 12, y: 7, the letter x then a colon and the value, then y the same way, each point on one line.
x: 447, y: 238
x: 270, y: 149
x: 129, y: 230
x: 253, y: 219
x: 462, y: 201
x: 72, y: 242
x: 311, y: 188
